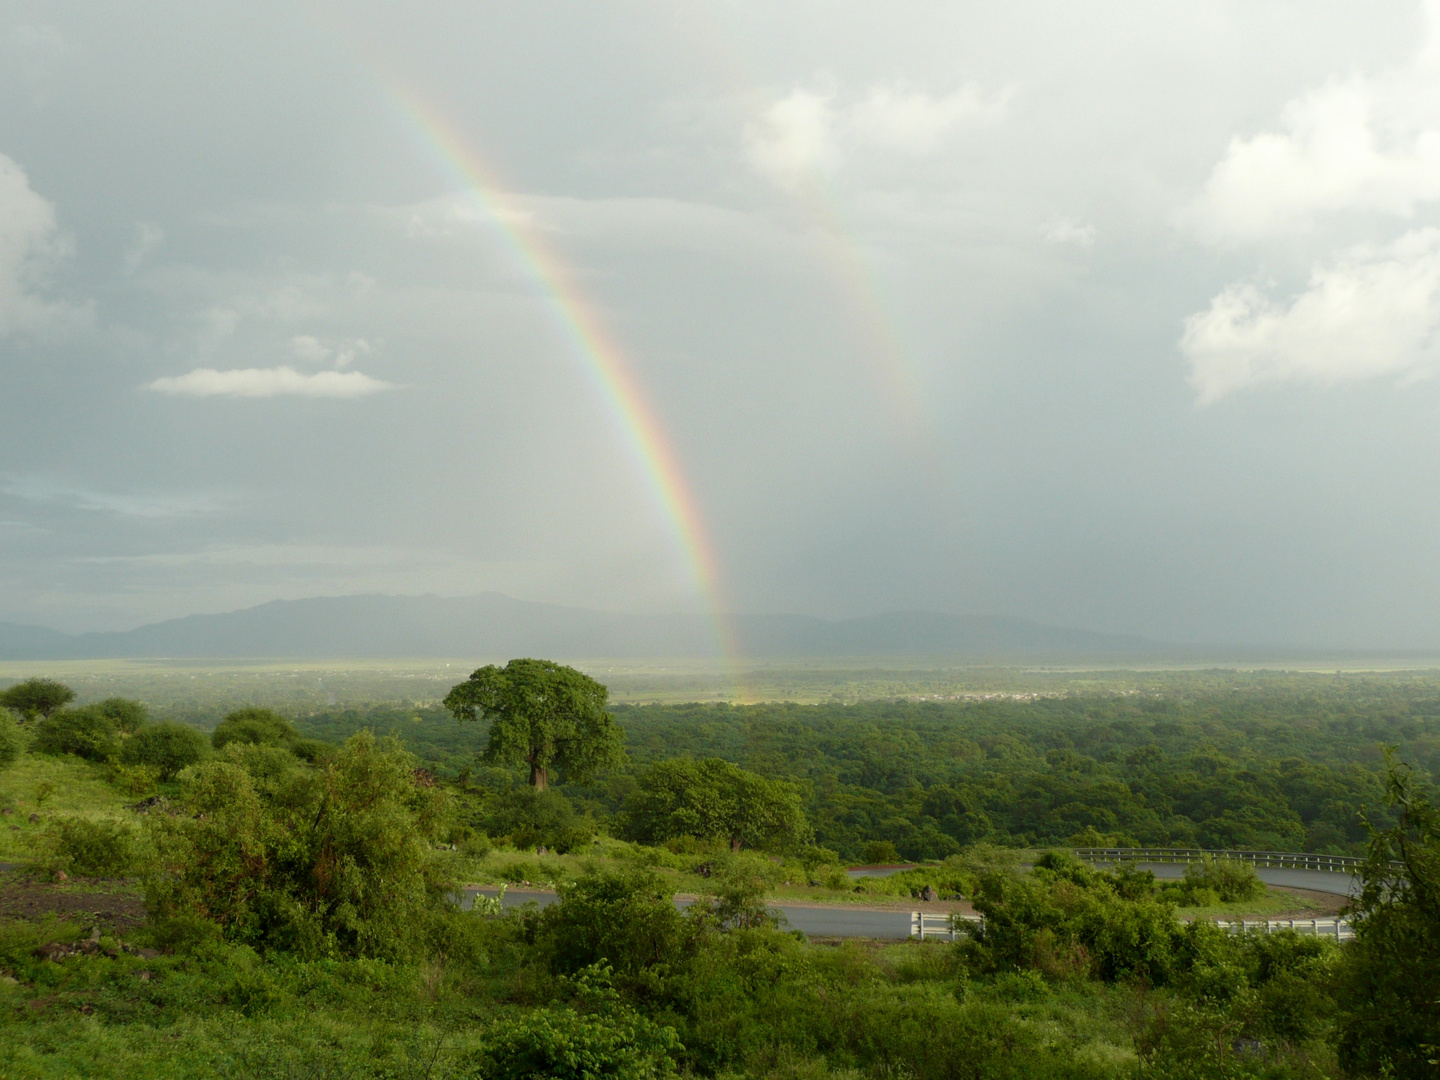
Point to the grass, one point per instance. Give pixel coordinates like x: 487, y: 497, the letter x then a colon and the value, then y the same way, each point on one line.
x: 1276, y: 902
x: 78, y: 788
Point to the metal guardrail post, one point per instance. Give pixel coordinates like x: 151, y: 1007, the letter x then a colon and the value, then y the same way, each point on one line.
x: 1281, y: 859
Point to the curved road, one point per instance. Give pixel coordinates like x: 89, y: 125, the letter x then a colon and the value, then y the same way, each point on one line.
x: 844, y: 921
x: 837, y: 921
x: 1316, y: 880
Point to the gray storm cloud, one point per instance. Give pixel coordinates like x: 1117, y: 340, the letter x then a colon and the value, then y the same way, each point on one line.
x: 1162, y: 286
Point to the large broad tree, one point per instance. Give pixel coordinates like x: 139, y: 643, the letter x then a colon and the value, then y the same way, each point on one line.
x: 36, y: 697
x: 711, y: 799
x: 547, y: 715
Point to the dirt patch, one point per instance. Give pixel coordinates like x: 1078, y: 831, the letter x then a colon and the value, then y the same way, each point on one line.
x: 115, y: 905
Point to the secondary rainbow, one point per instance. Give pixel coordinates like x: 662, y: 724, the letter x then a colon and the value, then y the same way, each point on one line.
x: 582, y: 328
x: 892, y: 361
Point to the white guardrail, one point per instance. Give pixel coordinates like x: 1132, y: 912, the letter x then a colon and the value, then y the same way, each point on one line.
x: 1339, y: 929
x: 1289, y: 860
x: 924, y: 924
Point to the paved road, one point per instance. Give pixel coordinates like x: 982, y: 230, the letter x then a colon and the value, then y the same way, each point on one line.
x: 842, y: 921
x: 1318, y: 880
x: 814, y: 921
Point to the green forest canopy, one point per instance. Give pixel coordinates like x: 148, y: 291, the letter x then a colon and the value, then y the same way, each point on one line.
x: 1287, y: 767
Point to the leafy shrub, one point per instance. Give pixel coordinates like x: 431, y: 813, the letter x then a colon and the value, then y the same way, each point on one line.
x: 86, y: 732
x: 89, y: 848
x: 1065, y: 918
x: 712, y: 799
x: 335, y: 862
x: 880, y: 853
x: 167, y: 748
x: 470, y: 843
x: 1229, y: 879
x: 1389, y: 976
x: 533, y: 819
x: 134, y: 780
x: 269, y: 767
x: 128, y: 716
x: 12, y: 739
x: 36, y: 697
x: 567, y: 1045
x: 626, y: 919
x: 258, y: 727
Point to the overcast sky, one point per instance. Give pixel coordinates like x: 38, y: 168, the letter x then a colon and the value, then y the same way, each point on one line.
x: 1115, y: 315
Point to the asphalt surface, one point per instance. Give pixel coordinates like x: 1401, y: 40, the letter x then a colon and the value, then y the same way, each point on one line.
x: 814, y: 921
x: 841, y: 921
x: 1317, y: 880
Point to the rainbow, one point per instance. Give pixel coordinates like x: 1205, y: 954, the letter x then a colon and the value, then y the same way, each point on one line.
x: 893, y: 363
x: 600, y: 356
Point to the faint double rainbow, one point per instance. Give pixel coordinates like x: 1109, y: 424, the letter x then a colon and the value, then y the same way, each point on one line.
x: 583, y: 330
x: 892, y: 361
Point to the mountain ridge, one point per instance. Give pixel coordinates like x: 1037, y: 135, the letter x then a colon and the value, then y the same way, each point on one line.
x: 491, y: 624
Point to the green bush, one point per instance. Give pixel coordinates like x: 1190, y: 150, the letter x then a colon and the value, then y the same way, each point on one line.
x: 626, y: 919
x: 470, y: 843
x: 567, y: 1045
x: 1066, y: 919
x: 270, y: 767
x: 335, y: 862
x: 88, y: 848
x: 167, y: 748
x: 128, y: 716
x: 12, y: 739
x: 258, y: 727
x: 86, y: 732
x: 1388, y: 984
x: 532, y: 819
x: 137, y: 781
x: 36, y: 697
x: 712, y: 799
x: 1228, y: 879
x: 880, y: 853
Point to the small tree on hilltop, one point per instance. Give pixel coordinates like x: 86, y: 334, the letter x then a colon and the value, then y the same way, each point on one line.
x: 36, y: 697
x: 545, y: 714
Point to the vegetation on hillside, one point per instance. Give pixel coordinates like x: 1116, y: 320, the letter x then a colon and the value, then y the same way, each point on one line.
x: 300, y: 917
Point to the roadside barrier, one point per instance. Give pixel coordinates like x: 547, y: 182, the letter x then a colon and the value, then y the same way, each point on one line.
x: 925, y: 924
x: 1339, y: 929
x: 1289, y: 860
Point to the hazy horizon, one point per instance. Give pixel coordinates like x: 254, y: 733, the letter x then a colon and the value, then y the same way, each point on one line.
x: 1117, y: 318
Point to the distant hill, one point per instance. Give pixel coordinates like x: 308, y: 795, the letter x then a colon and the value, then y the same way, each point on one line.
x: 492, y: 625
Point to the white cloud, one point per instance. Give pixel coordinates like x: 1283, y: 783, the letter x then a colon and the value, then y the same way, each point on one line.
x: 1371, y: 313
x: 1065, y: 231
x: 30, y: 243
x: 794, y: 139
x: 312, y: 349
x: 269, y: 382
x: 809, y: 133
x: 915, y: 123
x: 1365, y: 144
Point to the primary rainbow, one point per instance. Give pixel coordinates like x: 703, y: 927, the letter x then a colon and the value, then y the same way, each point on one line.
x: 581, y: 327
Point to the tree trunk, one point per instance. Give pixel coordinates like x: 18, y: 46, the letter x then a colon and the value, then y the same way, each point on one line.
x: 734, y: 843
x: 539, y: 777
